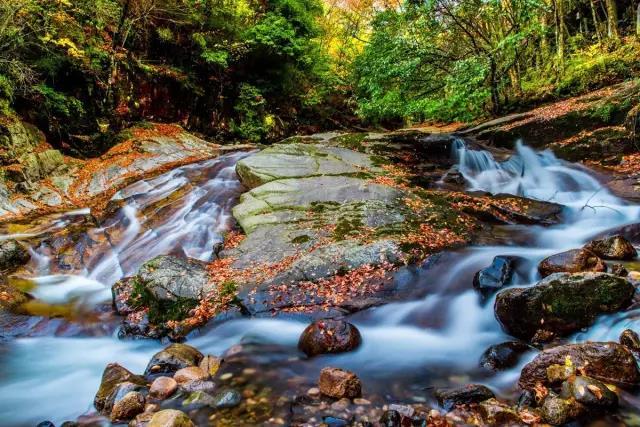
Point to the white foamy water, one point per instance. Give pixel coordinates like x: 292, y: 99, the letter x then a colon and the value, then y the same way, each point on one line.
x: 443, y: 334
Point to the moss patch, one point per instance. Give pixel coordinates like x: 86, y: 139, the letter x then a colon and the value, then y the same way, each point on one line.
x: 159, y: 311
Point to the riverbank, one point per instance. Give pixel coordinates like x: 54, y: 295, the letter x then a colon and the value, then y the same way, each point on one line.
x: 421, y: 315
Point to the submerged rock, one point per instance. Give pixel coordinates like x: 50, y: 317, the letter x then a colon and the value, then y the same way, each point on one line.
x: 210, y: 364
x: 573, y: 261
x: 329, y: 336
x: 499, y: 274
x: 614, y: 247
x: 470, y: 393
x: 173, y: 358
x: 504, y: 355
x: 561, y: 303
x: 608, y: 362
x: 226, y: 398
x: 338, y: 383
x: 12, y: 255
x: 170, y: 418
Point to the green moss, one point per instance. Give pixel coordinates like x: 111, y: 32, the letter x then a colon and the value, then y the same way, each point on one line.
x: 159, y: 311
x: 352, y: 141
x: 300, y: 239
x: 348, y: 226
x: 319, y: 207
x: 379, y: 160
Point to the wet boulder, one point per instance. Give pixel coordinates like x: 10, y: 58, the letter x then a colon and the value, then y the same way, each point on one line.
x: 189, y: 374
x: 619, y: 270
x: 631, y: 340
x: 112, y: 377
x: 170, y: 278
x: 470, y: 393
x: 121, y: 292
x: 504, y: 355
x: 170, y: 418
x: 338, y: 383
x: 608, y: 362
x: 127, y: 403
x: 12, y: 255
x: 494, y: 277
x: 561, y: 303
x: 557, y: 411
x: 594, y: 394
x: 329, y: 336
x: 162, y: 388
x: 614, y: 247
x: 173, y: 358
x: 496, y: 413
x: 572, y: 261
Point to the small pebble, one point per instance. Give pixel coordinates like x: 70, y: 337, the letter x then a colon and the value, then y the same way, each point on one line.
x: 313, y: 392
x: 361, y: 401
x: 227, y: 376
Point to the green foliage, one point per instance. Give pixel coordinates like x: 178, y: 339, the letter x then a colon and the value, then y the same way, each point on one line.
x: 255, y: 123
x: 120, y: 61
x: 59, y: 104
x: 463, y: 60
x: 6, y: 94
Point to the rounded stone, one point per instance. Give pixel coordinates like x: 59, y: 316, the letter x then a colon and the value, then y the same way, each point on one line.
x: 504, y: 355
x: 329, y: 336
x: 128, y: 407
x: 338, y: 383
x: 162, y: 388
x: 210, y: 364
x: 614, y: 247
x: 470, y: 393
x: 173, y: 358
x: 189, y: 374
x: 170, y: 418
x: 572, y: 261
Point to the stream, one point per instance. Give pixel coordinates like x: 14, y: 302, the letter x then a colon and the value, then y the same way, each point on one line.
x: 407, y: 346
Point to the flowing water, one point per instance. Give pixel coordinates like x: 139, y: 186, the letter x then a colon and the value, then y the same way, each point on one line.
x: 407, y: 346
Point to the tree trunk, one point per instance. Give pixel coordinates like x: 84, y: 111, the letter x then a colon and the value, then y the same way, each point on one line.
x: 596, y: 24
x: 495, y: 96
x: 560, y: 26
x: 638, y: 21
x: 612, y: 19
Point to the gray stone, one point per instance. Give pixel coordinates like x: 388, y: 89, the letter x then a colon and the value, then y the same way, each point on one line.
x: 170, y: 278
x: 283, y: 161
x: 12, y: 255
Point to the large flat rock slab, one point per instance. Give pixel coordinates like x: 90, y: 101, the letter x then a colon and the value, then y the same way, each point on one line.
x: 283, y: 161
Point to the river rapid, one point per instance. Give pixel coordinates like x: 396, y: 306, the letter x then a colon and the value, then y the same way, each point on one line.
x: 407, y: 346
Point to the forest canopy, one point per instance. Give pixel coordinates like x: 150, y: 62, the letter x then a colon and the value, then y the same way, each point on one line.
x: 257, y: 70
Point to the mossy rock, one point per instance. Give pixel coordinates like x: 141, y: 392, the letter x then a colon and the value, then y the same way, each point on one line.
x: 112, y: 376
x: 561, y: 303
